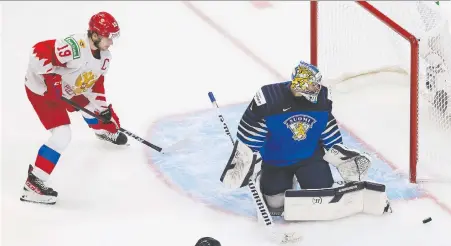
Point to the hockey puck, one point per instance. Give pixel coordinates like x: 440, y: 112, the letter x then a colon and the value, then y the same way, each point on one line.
x: 208, y: 241
x: 427, y: 220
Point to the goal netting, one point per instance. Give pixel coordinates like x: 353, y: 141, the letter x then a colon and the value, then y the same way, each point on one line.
x: 388, y: 66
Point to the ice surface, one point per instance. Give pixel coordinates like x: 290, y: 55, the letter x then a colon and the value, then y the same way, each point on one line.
x: 165, y: 62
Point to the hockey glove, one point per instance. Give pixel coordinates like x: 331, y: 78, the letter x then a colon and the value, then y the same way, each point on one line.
x: 54, y: 86
x: 351, y: 164
x: 54, y: 90
x: 242, y: 164
x: 110, y: 120
x: 106, y: 115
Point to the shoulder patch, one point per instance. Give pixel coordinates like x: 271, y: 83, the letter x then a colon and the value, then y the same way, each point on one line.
x: 329, y: 94
x: 75, y: 48
x: 259, y: 98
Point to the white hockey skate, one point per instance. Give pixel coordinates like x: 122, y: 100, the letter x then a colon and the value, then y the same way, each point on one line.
x: 117, y: 138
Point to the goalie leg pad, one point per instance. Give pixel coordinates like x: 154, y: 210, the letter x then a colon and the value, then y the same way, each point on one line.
x: 375, y: 198
x: 335, y: 203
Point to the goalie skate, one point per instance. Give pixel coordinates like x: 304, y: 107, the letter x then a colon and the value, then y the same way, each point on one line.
x: 36, y: 191
x: 117, y: 138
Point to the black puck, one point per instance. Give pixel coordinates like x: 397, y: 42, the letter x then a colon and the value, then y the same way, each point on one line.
x: 208, y: 241
x: 427, y: 220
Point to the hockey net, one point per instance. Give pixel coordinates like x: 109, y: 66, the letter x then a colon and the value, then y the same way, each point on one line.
x: 388, y: 66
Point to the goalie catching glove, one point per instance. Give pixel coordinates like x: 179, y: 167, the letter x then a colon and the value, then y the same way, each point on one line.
x: 352, y: 165
x: 240, y: 167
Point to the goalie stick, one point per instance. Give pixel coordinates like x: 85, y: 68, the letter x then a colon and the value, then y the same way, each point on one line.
x: 139, y: 139
x: 281, y: 238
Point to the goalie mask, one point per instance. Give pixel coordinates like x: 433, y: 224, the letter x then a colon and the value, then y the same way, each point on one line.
x: 305, y: 81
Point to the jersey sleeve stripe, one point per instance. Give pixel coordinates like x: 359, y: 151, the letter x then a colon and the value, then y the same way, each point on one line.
x: 329, y: 129
x: 331, y: 134
x: 329, y: 144
x: 254, y: 121
x: 331, y: 122
x: 263, y: 125
x: 255, y: 146
x: 250, y: 137
x: 252, y: 130
x: 244, y: 124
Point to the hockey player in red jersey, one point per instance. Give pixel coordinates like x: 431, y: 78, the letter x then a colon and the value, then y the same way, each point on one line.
x: 74, y: 67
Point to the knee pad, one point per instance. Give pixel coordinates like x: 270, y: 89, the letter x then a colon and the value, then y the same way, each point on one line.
x: 275, y: 201
x: 272, y: 201
x: 60, y: 139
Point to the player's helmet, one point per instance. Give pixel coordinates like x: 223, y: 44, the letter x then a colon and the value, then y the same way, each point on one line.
x: 105, y: 25
x: 305, y: 81
x: 208, y: 241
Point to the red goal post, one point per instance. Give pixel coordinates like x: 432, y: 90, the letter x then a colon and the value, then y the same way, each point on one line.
x: 392, y: 24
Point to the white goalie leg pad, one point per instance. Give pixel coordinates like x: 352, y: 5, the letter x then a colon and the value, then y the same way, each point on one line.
x: 351, y: 164
x: 335, y: 203
x: 374, y: 200
x: 240, y: 167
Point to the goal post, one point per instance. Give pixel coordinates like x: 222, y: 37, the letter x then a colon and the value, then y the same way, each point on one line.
x: 337, y: 29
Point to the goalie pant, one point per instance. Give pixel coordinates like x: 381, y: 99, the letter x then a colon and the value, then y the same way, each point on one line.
x: 312, y: 173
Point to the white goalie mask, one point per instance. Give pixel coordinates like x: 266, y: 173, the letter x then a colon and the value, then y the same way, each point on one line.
x: 305, y: 81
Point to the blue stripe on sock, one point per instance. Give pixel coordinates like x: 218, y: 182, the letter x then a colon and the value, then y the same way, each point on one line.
x: 49, y: 154
x: 91, y: 121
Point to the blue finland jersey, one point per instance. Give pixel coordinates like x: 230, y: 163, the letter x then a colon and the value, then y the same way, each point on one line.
x: 286, y: 129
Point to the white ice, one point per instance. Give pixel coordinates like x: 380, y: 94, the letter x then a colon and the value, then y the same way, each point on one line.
x: 165, y: 62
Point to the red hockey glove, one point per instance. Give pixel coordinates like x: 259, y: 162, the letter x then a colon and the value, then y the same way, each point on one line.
x: 54, y: 89
x: 54, y: 86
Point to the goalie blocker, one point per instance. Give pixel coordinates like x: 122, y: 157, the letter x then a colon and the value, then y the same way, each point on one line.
x: 240, y: 167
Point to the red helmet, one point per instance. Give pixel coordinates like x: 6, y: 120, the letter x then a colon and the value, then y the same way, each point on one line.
x: 104, y: 24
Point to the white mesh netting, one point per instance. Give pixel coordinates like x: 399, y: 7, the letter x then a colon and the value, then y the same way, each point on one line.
x: 364, y: 60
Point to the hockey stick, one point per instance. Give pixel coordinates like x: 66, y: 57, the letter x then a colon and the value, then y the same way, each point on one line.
x: 262, y: 209
x: 221, y: 118
x: 139, y: 139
